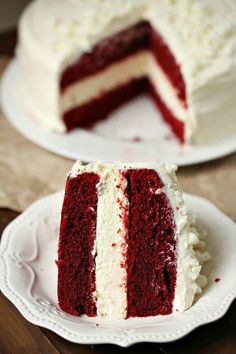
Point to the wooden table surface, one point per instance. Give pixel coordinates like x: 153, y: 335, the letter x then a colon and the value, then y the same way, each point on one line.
x: 19, y: 336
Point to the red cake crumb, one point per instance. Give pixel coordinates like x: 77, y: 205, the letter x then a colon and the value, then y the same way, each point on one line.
x: 151, y: 257
x: 168, y: 137
x: 113, y: 49
x: 181, y: 151
x: 217, y: 280
x: 76, y: 274
x: 136, y: 139
x: 113, y: 245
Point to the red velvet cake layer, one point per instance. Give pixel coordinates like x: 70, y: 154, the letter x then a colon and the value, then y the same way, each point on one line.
x: 76, y: 266
x: 99, y: 108
x: 151, y: 256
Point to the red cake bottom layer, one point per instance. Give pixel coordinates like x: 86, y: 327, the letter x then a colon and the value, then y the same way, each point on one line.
x: 100, y: 107
x: 76, y: 266
x: 151, y: 256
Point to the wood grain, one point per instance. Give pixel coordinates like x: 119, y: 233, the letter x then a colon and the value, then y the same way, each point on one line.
x: 8, y: 42
x: 19, y: 336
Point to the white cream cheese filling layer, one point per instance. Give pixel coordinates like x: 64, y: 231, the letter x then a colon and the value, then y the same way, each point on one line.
x: 141, y: 64
x: 111, y: 247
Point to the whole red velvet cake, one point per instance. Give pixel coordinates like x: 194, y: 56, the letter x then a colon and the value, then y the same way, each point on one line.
x: 80, y: 60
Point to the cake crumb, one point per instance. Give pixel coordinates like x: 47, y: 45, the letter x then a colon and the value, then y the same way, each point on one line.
x: 168, y: 137
x: 217, y: 280
x: 122, y: 265
x: 136, y: 139
x: 113, y: 245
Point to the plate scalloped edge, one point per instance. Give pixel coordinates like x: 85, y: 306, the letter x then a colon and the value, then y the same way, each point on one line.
x: 123, y: 337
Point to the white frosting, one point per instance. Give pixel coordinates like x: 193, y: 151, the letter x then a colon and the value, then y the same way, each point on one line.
x: 201, y: 34
x: 110, y: 277
x: 189, y: 282
x: 136, y: 66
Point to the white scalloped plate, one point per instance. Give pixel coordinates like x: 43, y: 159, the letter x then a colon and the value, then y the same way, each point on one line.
x: 109, y: 140
x: 28, y: 277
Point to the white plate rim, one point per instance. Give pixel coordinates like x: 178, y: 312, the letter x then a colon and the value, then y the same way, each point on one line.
x: 122, y: 339
x: 187, y: 155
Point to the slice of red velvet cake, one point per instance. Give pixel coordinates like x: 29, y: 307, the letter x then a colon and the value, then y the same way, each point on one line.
x: 126, y: 242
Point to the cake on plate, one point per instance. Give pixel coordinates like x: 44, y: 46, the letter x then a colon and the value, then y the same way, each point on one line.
x: 79, y: 60
x: 127, y: 246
